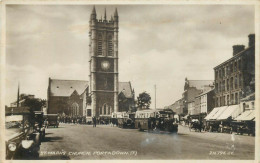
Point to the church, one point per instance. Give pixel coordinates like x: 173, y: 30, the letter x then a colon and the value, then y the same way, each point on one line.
x: 103, y: 93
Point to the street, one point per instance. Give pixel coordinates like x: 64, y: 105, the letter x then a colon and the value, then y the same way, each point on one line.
x: 83, y: 142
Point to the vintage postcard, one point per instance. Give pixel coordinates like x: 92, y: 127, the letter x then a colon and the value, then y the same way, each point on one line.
x: 108, y: 80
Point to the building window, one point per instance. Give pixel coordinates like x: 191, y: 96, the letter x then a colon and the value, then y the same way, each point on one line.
x: 220, y: 86
x: 236, y: 98
x: 236, y: 84
x: 253, y: 105
x: 240, y: 80
x: 231, y: 99
x: 88, y: 112
x: 227, y: 99
x: 99, y: 44
x: 216, y: 87
x: 110, y: 46
x: 235, y: 66
x: 216, y: 74
x: 239, y: 64
x: 231, y: 68
x: 224, y: 85
x: 227, y: 84
x: 223, y: 72
x: 231, y: 83
x: 105, y: 109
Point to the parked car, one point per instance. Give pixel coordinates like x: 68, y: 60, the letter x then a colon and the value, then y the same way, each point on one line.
x: 126, y: 120
x: 39, y: 123
x: 22, y: 142
x: 52, y: 120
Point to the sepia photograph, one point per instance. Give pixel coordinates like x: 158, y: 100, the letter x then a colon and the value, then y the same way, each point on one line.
x: 101, y: 81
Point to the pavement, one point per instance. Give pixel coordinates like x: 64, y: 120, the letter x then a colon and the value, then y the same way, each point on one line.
x: 83, y: 142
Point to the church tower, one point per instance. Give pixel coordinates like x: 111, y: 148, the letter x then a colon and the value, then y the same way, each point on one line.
x: 103, y: 62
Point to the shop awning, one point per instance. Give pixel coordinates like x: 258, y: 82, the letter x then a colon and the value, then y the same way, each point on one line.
x: 215, y: 113
x: 248, y: 115
x: 211, y: 113
x: 218, y: 113
x: 230, y: 111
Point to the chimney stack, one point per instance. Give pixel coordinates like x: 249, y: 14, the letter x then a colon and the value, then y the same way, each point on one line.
x: 251, y: 40
x: 238, y: 48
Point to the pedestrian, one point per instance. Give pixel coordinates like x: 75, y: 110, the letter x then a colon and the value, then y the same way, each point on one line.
x: 94, y: 121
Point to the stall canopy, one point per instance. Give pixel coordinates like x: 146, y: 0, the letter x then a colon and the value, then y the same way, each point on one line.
x: 215, y: 113
x: 230, y: 111
x: 248, y: 115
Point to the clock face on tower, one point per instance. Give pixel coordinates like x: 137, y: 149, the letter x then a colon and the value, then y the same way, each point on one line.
x: 105, y: 65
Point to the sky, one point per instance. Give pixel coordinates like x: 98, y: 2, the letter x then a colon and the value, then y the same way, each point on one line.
x: 158, y: 45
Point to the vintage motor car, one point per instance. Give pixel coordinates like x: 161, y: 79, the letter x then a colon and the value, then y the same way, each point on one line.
x: 22, y: 142
x: 114, y: 120
x: 39, y: 123
x: 156, y: 120
x: 52, y: 120
x: 246, y: 127
x: 126, y: 120
x: 196, y: 125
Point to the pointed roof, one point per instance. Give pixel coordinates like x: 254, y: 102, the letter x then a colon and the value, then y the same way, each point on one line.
x: 116, y: 14
x: 94, y: 10
x: 67, y: 87
x: 126, y: 89
x: 105, y: 15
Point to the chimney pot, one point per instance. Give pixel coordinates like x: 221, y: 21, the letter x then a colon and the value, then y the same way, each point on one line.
x: 238, y: 48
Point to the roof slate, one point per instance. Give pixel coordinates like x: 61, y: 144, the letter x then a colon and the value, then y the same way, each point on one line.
x: 65, y: 88
x: 125, y: 88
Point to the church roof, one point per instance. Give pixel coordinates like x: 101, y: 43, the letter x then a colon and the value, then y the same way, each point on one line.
x: 126, y: 89
x: 67, y: 87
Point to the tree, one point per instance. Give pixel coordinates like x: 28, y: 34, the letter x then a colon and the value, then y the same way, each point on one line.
x: 34, y: 104
x: 144, y: 100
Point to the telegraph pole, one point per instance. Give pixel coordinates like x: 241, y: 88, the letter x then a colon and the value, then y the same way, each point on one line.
x: 155, y: 96
x: 18, y: 94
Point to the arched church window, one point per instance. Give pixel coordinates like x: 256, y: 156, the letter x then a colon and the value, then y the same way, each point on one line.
x: 75, y: 109
x: 110, y: 45
x: 99, y: 44
x: 108, y: 112
x: 105, y: 109
x: 100, y: 110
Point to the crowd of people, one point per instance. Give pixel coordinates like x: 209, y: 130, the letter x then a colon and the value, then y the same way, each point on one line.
x: 72, y: 119
x: 83, y: 120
